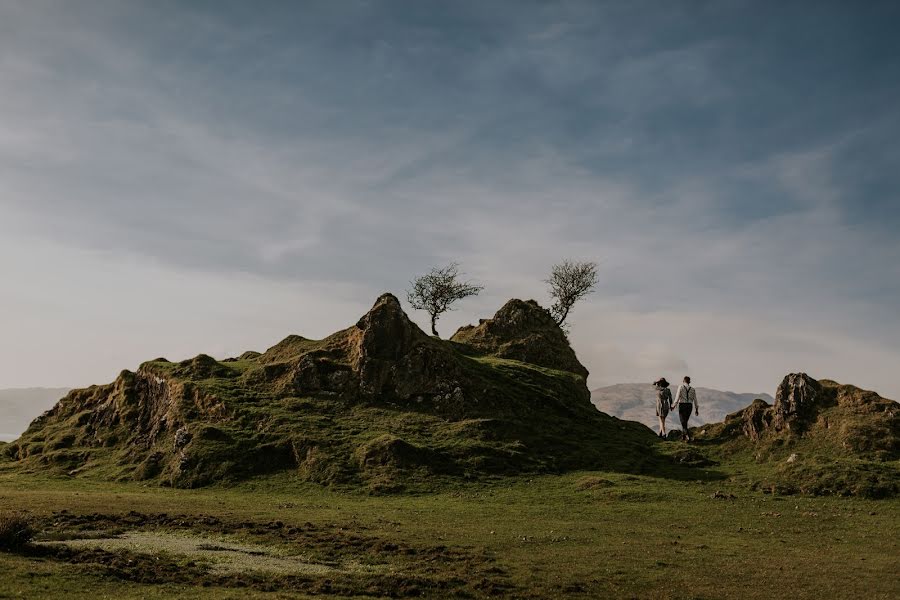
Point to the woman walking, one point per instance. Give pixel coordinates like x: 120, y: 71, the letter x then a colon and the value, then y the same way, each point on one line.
x: 686, y: 399
x: 663, y: 404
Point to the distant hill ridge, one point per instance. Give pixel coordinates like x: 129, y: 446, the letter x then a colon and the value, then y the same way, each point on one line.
x: 637, y: 402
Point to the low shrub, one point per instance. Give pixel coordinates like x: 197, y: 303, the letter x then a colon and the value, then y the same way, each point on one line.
x: 15, y: 531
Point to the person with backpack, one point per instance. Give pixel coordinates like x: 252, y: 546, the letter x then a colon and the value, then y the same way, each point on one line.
x: 663, y: 403
x: 686, y: 400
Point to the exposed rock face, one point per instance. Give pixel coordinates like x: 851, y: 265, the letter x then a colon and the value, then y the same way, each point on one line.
x: 385, y: 332
x: 139, y: 413
x: 522, y: 330
x: 384, y: 357
x: 755, y: 419
x: 797, y: 399
x: 392, y: 356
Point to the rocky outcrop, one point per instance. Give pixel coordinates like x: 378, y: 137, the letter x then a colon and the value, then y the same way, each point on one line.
x: 384, y: 333
x: 818, y: 438
x: 798, y: 398
x: 754, y: 420
x: 385, y: 357
x: 524, y: 331
x: 392, y: 357
x: 376, y: 401
x: 143, y: 415
x: 841, y: 416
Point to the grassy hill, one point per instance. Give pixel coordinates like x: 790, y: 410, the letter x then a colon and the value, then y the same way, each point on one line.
x: 818, y: 438
x: 383, y: 407
x: 379, y: 404
x: 637, y: 402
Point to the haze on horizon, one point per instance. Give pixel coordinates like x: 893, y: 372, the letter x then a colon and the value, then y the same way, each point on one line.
x: 186, y: 177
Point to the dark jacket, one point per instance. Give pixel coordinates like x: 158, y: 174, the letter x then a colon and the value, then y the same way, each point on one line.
x: 663, y: 401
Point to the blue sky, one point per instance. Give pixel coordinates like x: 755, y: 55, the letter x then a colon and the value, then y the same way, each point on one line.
x: 178, y: 177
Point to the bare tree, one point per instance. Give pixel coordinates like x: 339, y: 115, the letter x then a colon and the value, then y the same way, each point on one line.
x: 569, y: 282
x: 438, y: 290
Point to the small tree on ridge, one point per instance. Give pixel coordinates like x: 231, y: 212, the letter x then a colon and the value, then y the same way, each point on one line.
x: 436, y: 291
x: 569, y: 282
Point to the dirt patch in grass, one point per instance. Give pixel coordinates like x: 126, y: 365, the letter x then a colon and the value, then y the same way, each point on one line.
x: 220, y: 555
x: 266, y: 556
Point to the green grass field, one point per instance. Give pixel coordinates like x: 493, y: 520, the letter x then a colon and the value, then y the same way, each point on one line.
x: 585, y: 534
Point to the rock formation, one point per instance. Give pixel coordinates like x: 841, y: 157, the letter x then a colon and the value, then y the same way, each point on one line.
x: 376, y: 403
x: 798, y: 398
x: 805, y: 407
x: 523, y: 331
x: 820, y: 438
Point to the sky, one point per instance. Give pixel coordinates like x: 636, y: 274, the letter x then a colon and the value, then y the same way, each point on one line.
x: 210, y: 176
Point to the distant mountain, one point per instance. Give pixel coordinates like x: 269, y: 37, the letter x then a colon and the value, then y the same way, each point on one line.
x: 19, y: 407
x: 637, y: 402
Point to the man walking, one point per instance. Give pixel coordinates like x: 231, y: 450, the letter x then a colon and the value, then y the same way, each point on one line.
x: 686, y: 400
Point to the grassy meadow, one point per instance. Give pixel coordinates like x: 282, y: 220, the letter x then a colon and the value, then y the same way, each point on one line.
x: 584, y: 534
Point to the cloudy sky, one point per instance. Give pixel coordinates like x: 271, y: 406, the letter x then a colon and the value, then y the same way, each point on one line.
x: 185, y: 177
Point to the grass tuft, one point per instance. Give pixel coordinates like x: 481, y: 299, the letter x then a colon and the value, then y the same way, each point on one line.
x: 15, y: 531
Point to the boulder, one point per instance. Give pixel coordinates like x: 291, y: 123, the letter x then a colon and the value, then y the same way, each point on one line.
x: 798, y: 398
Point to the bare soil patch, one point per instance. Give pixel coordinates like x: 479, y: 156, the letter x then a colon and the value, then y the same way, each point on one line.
x: 209, y: 551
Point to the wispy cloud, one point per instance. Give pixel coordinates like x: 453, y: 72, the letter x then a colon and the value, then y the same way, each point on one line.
x: 732, y: 174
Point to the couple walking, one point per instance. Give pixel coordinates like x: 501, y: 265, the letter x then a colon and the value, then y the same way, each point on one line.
x: 685, y: 399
